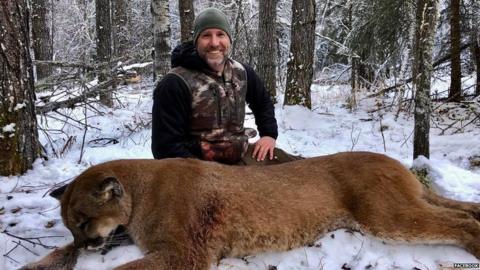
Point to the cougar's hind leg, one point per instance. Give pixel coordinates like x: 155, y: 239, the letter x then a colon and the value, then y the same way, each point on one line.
x: 422, y: 223
x: 471, y: 208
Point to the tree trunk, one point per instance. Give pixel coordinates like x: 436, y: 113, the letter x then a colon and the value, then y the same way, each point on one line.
x: 300, y: 64
x: 455, y: 93
x: 88, y: 32
x: 187, y: 16
x: 475, y: 40
x: 104, y: 44
x: 355, y: 84
x: 19, y: 144
x: 355, y: 80
x: 237, y: 29
x: 161, y: 37
x: 476, y: 54
x: 266, y: 44
x: 426, y: 18
x: 41, y: 41
x: 120, y: 27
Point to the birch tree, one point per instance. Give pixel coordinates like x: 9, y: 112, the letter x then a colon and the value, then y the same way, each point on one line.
x: 266, y: 43
x: 455, y: 92
x: 425, y: 19
x: 41, y: 40
x: 104, y: 44
x: 300, y: 63
x: 161, y: 37
x: 19, y: 144
x: 187, y: 16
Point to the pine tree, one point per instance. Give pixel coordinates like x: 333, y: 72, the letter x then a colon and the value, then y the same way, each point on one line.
x: 120, y: 21
x: 300, y: 63
x: 41, y: 40
x: 19, y: 144
x: 379, y: 30
x: 104, y: 44
x: 455, y: 92
x: 266, y: 44
x: 475, y: 40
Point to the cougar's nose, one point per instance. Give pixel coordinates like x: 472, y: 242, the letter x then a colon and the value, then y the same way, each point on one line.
x: 95, y: 243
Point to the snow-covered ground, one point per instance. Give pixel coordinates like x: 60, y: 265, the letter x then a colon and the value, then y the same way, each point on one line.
x: 28, y: 215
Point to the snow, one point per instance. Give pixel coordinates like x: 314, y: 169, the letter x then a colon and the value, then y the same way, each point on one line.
x: 19, y: 106
x: 9, y: 128
x: 26, y: 210
x: 139, y: 65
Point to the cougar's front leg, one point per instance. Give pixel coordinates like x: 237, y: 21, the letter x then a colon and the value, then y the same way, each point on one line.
x: 63, y: 258
x: 165, y: 260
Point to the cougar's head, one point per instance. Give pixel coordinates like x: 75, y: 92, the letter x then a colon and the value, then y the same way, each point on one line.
x: 93, y: 206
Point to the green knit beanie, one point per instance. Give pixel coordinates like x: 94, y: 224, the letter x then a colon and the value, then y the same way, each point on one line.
x: 211, y: 18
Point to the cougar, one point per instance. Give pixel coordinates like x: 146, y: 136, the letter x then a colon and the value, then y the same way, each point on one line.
x: 188, y: 214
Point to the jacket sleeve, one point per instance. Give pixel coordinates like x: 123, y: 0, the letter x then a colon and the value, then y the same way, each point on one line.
x: 171, y: 120
x: 259, y: 101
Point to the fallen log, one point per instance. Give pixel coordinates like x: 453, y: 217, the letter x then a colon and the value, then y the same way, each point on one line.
x: 103, y: 87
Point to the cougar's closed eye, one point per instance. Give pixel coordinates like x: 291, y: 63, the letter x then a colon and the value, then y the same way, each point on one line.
x: 83, y: 225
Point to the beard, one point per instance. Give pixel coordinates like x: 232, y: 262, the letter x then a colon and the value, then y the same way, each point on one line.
x: 215, y: 61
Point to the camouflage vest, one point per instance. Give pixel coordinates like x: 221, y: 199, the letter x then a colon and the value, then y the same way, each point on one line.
x: 218, y: 108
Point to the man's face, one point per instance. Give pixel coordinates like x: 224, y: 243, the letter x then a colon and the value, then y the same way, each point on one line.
x: 213, y: 45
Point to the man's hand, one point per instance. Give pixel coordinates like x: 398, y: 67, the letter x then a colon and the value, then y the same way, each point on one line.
x: 207, y: 151
x: 263, y: 147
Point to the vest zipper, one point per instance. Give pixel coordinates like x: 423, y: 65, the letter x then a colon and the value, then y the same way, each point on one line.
x: 219, y: 107
x: 235, y: 102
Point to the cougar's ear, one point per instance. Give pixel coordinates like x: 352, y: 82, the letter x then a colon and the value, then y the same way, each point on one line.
x: 58, y: 192
x: 108, y: 189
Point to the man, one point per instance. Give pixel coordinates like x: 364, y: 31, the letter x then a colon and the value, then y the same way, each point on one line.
x: 199, y: 106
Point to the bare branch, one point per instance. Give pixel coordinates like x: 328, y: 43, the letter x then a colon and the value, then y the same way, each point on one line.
x: 34, y: 240
x: 438, y: 62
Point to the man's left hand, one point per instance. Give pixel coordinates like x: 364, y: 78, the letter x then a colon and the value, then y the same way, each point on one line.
x: 263, y: 147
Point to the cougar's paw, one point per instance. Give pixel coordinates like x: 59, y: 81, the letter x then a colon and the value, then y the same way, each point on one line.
x: 60, y: 259
x: 41, y: 265
x: 46, y: 265
x: 36, y: 266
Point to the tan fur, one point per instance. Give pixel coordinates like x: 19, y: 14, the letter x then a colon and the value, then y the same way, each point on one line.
x: 187, y: 214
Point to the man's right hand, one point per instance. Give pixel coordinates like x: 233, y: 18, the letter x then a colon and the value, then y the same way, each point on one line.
x: 223, y: 152
x: 207, y: 151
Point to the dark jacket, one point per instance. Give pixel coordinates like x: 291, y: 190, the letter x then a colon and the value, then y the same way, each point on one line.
x: 172, y: 108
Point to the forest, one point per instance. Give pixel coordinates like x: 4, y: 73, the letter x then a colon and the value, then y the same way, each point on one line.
x: 395, y: 77
x: 380, y: 47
